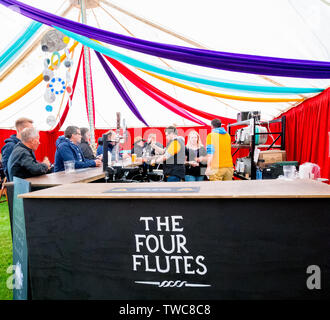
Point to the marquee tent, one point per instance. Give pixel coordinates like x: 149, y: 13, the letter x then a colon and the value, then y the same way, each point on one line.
x: 285, y: 29
x: 215, y: 58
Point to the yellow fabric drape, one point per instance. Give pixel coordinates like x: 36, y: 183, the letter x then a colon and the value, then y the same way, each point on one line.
x: 20, y: 93
x: 220, y: 95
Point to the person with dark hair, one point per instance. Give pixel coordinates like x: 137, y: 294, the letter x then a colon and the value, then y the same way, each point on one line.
x: 67, y: 148
x: 138, y: 146
x: 173, y: 157
x: 218, y: 147
x: 85, y: 144
x: 152, y: 141
x: 10, y: 143
x: 22, y: 162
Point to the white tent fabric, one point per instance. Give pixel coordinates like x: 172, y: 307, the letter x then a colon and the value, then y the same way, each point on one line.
x: 297, y: 29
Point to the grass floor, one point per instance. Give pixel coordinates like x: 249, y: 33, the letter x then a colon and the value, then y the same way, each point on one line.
x: 6, y: 252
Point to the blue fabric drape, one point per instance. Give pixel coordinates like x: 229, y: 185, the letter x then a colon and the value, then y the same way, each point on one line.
x: 10, y: 53
x: 139, y: 64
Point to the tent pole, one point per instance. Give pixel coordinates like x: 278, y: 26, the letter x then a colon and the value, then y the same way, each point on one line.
x: 88, y: 80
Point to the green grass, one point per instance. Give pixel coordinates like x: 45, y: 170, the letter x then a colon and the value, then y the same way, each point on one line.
x: 6, y: 252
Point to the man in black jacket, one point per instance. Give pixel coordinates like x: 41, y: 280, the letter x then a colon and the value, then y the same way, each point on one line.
x: 11, y: 142
x: 22, y: 162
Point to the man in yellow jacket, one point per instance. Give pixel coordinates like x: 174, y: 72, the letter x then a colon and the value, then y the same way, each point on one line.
x: 218, y: 147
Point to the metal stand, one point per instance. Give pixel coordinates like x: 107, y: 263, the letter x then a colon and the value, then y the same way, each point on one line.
x: 255, y: 122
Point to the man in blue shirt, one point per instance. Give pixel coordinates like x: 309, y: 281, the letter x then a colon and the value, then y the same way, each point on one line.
x: 67, y: 148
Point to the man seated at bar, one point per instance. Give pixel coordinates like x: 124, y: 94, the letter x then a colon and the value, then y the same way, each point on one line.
x: 173, y: 157
x: 68, y: 149
x: 218, y: 146
x: 22, y: 162
x: 10, y: 143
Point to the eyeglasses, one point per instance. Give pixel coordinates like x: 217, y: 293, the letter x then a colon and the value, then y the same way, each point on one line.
x: 78, y: 133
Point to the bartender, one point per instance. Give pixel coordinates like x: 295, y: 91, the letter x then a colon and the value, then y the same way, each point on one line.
x: 138, y: 147
x: 112, y: 142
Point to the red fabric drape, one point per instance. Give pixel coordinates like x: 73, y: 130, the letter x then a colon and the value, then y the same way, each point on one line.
x: 308, y: 132
x: 48, y: 139
x: 161, y: 97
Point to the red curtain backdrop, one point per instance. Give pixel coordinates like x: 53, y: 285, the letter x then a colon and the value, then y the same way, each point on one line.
x: 48, y: 139
x: 307, y: 134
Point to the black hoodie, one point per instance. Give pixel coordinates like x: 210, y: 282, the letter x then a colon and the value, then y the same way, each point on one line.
x: 6, y: 151
x: 22, y: 163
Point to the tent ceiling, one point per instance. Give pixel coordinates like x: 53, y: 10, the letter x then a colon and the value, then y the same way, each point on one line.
x: 297, y: 29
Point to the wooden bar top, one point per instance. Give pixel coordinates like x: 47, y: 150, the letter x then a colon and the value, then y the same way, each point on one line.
x: 205, y: 189
x: 59, y: 178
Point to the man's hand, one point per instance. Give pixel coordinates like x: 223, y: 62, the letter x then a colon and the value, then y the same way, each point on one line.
x: 209, y: 171
x: 160, y: 159
x: 98, y: 163
x: 47, y: 162
x: 194, y: 163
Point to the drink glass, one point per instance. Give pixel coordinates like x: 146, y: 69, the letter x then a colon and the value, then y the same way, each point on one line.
x: 133, y: 157
x: 69, y: 166
x: 289, y: 172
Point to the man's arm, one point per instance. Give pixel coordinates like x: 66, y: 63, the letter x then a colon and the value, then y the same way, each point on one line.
x: 6, y: 152
x: 210, y: 149
x: 158, y: 149
x: 32, y: 166
x: 67, y: 155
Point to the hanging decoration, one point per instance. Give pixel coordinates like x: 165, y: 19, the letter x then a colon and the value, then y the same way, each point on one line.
x: 68, y: 62
x: 47, y: 73
x: 58, y: 61
x: 54, y: 40
x: 57, y: 85
x: 69, y: 103
x: 27, y: 88
x: 49, y: 108
x: 51, y: 120
x: 49, y: 96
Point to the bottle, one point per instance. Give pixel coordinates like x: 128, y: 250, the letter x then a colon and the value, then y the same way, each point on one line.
x: 259, y: 174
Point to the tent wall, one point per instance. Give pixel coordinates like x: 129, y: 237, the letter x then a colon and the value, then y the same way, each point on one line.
x: 308, y: 132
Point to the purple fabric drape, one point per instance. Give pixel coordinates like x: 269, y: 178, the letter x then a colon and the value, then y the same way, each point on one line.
x: 207, y: 58
x: 120, y: 89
